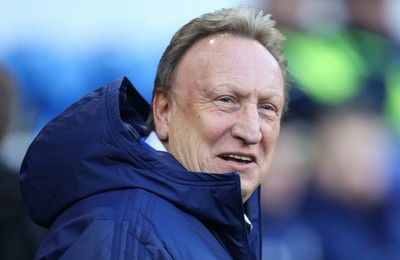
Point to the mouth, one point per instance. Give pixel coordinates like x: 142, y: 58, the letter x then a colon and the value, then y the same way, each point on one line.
x: 239, y: 159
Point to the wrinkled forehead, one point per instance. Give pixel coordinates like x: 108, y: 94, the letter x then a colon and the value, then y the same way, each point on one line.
x: 229, y: 55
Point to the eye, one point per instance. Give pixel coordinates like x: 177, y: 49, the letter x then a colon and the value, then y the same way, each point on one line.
x: 225, y: 99
x: 227, y: 103
x: 268, y: 107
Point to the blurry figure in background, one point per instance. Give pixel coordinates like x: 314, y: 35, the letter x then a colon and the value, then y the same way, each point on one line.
x: 19, y: 236
x: 341, y: 51
x: 349, y: 202
x: 331, y: 192
x: 288, y: 235
x: 378, y: 41
x: 353, y: 168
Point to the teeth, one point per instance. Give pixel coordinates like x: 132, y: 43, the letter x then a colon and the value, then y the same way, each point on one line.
x: 238, y: 157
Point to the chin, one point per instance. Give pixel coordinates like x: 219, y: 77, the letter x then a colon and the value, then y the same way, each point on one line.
x: 247, y: 191
x: 245, y: 197
x: 245, y: 194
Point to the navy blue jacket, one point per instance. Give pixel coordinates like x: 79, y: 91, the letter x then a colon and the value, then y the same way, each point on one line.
x: 104, y: 195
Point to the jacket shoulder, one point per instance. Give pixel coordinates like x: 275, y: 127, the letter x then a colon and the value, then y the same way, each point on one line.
x: 129, y: 224
x: 105, y: 226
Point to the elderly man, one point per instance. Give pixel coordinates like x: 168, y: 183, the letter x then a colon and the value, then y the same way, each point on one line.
x: 185, y: 187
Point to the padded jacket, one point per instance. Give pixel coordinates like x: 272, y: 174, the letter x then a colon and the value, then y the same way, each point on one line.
x: 104, y: 195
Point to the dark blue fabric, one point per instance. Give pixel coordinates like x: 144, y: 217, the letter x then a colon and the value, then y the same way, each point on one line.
x: 348, y: 232
x: 106, y: 196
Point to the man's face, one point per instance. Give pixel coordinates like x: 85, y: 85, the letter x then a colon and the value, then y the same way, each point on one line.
x: 225, y: 109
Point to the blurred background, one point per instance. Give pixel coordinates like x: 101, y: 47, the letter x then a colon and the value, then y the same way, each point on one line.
x: 333, y: 190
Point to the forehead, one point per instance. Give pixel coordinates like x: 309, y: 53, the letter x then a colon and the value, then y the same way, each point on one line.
x: 229, y: 46
x: 225, y: 57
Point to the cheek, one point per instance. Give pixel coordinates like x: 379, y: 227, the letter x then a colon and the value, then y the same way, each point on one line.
x: 271, y: 131
x: 270, y: 137
x: 214, y: 128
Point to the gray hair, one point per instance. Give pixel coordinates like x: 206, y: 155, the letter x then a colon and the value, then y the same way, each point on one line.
x: 241, y: 21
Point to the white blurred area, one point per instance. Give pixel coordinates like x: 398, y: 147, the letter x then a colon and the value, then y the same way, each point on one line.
x: 392, y: 17
x: 80, y: 26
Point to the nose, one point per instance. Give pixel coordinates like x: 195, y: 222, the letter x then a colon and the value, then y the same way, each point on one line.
x: 247, y: 125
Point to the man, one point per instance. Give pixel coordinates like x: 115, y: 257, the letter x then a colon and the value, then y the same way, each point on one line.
x: 187, y: 186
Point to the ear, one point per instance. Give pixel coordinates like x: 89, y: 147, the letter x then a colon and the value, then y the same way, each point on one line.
x: 161, y: 112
